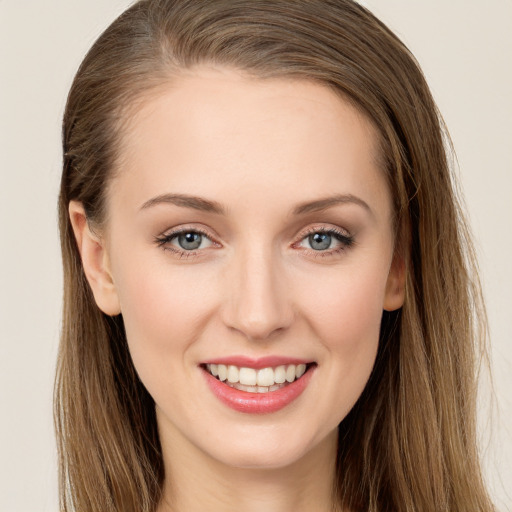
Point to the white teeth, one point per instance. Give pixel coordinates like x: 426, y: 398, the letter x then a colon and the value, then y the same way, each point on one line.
x: 257, y: 381
x: 253, y: 389
x: 233, y: 374
x: 247, y: 376
x: 266, y: 377
x: 241, y: 387
x: 223, y: 372
x: 280, y: 375
x: 290, y: 373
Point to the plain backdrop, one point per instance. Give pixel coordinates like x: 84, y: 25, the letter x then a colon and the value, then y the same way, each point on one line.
x: 465, y: 50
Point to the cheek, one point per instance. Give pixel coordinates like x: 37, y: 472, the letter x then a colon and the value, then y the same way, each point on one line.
x: 345, y: 315
x: 347, y: 307
x: 164, y: 311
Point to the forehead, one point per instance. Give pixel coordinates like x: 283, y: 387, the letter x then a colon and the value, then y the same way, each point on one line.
x: 214, y: 130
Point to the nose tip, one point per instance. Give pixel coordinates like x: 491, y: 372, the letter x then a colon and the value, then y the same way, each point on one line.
x: 258, y: 324
x: 258, y: 304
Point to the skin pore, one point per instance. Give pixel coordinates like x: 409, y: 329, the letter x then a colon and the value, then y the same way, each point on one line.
x: 247, y: 218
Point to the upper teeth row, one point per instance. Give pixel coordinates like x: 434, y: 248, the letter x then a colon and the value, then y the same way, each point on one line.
x: 252, y: 377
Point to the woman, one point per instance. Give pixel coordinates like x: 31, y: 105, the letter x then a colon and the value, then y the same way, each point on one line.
x: 269, y: 293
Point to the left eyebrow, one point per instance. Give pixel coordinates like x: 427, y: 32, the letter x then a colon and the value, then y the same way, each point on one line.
x: 328, y: 202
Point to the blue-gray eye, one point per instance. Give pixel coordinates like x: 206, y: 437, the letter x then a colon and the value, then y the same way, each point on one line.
x: 190, y: 241
x: 320, y: 241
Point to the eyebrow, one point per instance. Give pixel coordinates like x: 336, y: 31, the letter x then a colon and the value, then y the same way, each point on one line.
x: 185, y: 201
x: 323, y: 204
x: 206, y: 205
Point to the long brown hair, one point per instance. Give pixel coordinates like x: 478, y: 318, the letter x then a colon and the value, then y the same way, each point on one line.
x: 409, y: 443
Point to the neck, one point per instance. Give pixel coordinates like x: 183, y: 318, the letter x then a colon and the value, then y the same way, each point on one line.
x: 196, y: 482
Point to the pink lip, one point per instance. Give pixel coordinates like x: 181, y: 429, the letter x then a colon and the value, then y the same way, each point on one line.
x: 258, y: 403
x: 258, y: 363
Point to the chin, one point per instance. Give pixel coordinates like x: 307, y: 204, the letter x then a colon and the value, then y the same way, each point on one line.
x: 268, y: 451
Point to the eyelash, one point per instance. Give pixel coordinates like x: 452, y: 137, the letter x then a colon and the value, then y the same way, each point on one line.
x: 346, y: 241
x: 164, y: 241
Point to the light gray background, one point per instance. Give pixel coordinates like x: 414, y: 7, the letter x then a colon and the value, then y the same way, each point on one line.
x: 465, y: 49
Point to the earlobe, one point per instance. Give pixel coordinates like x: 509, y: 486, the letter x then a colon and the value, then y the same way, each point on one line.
x: 395, y: 286
x: 95, y: 261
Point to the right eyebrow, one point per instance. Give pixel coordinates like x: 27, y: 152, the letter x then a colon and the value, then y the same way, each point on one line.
x: 185, y: 201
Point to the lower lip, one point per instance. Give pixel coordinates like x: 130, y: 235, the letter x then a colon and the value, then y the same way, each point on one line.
x: 258, y: 403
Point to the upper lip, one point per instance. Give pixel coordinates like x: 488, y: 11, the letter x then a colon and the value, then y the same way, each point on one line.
x: 257, y: 363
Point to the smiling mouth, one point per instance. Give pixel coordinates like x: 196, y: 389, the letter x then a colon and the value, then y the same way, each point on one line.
x: 263, y: 380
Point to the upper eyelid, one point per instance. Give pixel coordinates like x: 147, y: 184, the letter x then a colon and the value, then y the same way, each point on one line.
x: 173, y: 232
x: 344, y: 237
x: 330, y: 228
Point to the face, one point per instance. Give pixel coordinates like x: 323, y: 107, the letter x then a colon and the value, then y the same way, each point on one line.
x: 249, y: 233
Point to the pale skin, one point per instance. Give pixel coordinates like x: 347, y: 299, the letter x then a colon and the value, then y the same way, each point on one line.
x: 272, y: 162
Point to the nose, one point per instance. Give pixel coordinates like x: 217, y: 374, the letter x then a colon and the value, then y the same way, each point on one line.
x: 257, y: 303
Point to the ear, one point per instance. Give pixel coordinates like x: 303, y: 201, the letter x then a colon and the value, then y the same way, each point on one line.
x: 95, y: 261
x: 395, y: 285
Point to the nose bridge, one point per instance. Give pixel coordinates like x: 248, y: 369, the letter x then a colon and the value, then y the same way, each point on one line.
x: 258, y: 303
